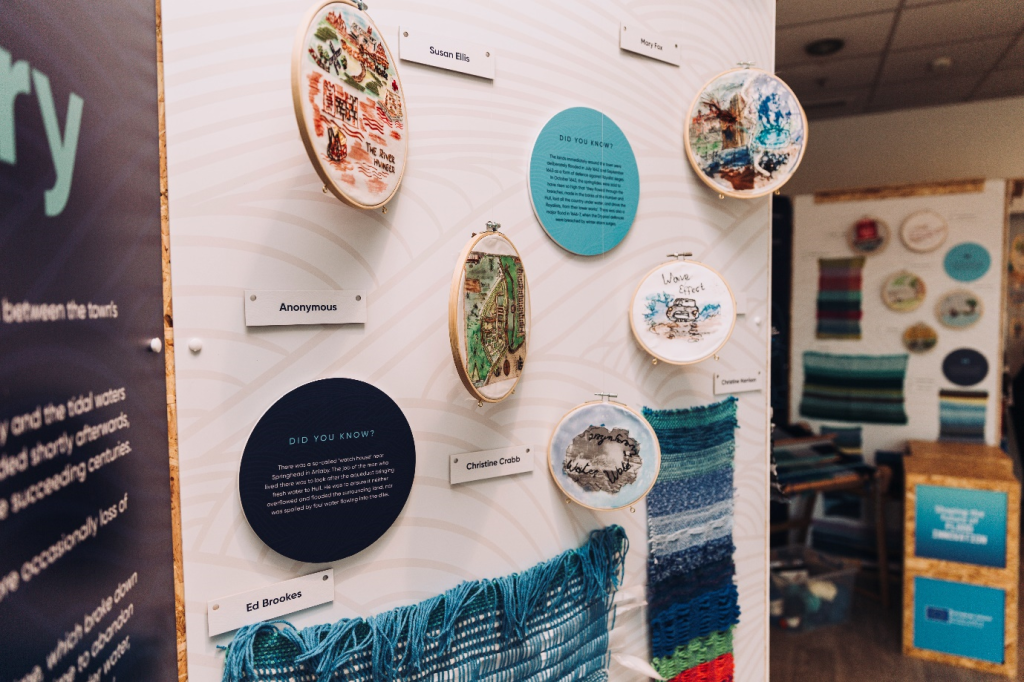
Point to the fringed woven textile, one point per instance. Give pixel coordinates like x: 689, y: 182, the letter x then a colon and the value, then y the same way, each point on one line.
x: 849, y: 442
x: 839, y: 298
x: 550, y: 622
x: 848, y: 439
x: 692, y: 602
x: 854, y: 388
x: 962, y: 415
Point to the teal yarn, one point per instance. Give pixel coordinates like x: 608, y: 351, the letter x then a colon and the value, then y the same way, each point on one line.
x: 551, y: 621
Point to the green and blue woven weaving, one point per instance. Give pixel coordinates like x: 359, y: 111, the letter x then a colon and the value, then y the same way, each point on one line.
x: 692, y: 602
x: 854, y: 388
x: 550, y: 622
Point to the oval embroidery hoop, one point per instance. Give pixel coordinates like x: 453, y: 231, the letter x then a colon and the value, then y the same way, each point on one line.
x: 491, y: 306
x: 944, y: 303
x: 924, y: 231
x: 723, y: 188
x: 854, y: 236
x: 684, y: 313
x: 609, y: 406
x: 903, y: 305
x: 338, y: 105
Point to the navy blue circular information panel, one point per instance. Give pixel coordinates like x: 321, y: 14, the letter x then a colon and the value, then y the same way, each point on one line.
x: 965, y: 367
x: 327, y: 470
x: 584, y: 182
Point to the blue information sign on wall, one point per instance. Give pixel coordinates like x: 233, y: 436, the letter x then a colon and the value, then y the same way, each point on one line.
x: 959, y: 524
x: 959, y: 619
x: 584, y: 181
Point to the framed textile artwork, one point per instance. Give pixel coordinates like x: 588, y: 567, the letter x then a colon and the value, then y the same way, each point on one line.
x: 746, y: 133
x: 919, y: 338
x: 839, y: 298
x: 349, y: 104
x: 924, y: 231
x: 489, y: 316
x: 682, y: 312
x: 962, y: 415
x: 327, y: 470
x: 584, y: 181
x: 604, y: 455
x: 967, y: 262
x: 959, y: 309
x: 903, y: 292
x: 868, y: 236
x: 854, y: 388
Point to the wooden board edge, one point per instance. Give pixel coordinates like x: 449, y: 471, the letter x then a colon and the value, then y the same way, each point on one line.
x: 973, y: 185
x: 172, y: 401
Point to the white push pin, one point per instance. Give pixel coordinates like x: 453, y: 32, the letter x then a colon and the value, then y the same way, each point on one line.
x: 156, y: 345
x: 195, y: 344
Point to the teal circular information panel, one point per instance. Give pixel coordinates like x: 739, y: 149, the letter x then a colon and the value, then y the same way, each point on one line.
x: 584, y: 182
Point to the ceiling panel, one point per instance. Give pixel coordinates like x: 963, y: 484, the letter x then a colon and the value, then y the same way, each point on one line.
x: 1007, y: 83
x: 921, y: 93
x: 1015, y: 57
x: 957, y: 21
x: 836, y: 103
x: 829, y: 75
x: 863, y: 35
x: 969, y: 59
x: 804, y: 11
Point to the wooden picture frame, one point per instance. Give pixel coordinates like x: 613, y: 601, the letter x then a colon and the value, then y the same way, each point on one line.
x: 383, y: 160
x: 769, y: 187
x: 518, y: 305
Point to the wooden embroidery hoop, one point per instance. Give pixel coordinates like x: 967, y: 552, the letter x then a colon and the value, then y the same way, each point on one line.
x: 903, y: 231
x: 722, y: 191
x: 606, y: 399
x: 636, y: 292
x: 298, y: 54
x: 938, y: 308
x: 889, y: 280
x: 454, y: 297
x: 885, y: 239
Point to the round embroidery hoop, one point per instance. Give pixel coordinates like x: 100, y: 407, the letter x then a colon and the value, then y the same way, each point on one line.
x: 924, y: 231
x: 853, y: 235
x: 600, y: 411
x: 920, y: 338
x: 977, y: 312
x: 498, y: 245
x: 345, y: 110
x: 894, y: 301
x: 680, y: 310
x: 794, y: 106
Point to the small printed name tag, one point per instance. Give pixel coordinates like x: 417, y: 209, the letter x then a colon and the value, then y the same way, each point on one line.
x: 453, y: 54
x: 269, y: 308
x: 273, y: 601
x: 636, y: 38
x: 738, y: 382
x: 475, y: 466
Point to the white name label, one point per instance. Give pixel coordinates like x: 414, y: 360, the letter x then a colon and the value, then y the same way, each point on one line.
x: 273, y: 601
x: 269, y: 308
x: 475, y: 466
x: 453, y: 54
x: 738, y: 382
x: 636, y: 38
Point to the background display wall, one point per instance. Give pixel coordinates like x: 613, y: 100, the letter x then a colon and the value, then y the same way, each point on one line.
x: 248, y: 211
x: 820, y: 232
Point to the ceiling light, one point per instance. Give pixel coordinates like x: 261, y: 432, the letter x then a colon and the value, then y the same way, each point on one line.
x: 824, y: 47
x: 941, y: 64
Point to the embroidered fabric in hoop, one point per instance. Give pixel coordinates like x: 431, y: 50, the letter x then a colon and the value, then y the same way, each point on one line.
x: 551, y: 620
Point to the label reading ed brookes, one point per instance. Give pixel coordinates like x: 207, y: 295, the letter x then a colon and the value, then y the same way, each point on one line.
x: 327, y: 470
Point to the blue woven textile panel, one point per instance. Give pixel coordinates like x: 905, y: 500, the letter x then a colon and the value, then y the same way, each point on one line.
x: 550, y: 622
x: 690, y: 588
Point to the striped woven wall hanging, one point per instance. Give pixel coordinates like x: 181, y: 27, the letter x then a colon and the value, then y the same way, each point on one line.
x: 854, y: 388
x: 962, y: 415
x: 549, y: 622
x: 692, y: 599
x: 839, y: 298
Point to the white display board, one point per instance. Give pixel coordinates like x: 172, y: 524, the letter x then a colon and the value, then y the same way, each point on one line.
x: 247, y: 211
x: 820, y: 231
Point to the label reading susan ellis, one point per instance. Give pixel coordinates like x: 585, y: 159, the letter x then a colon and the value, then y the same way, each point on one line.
x: 453, y: 54
x: 635, y: 38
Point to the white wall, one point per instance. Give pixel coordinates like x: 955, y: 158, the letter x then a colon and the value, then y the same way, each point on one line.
x: 246, y: 210
x: 975, y: 140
